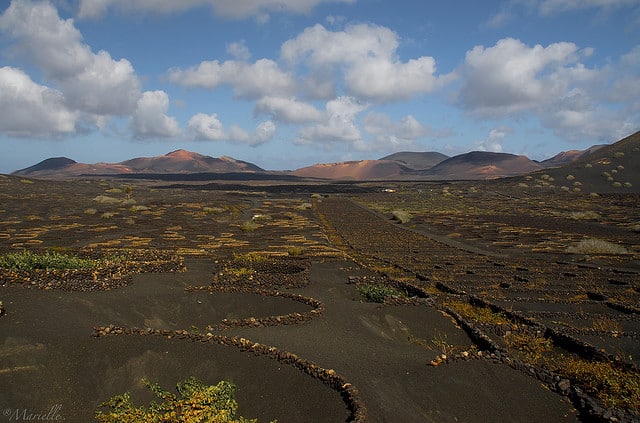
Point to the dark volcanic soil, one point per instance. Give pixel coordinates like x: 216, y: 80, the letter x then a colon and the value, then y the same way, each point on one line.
x: 289, y: 281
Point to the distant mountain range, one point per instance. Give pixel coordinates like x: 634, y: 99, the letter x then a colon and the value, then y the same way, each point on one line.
x: 477, y: 165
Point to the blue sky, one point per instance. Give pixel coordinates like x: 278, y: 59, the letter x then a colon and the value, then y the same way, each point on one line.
x: 289, y: 83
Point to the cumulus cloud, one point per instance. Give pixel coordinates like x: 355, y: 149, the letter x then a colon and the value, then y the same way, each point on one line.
x: 235, y: 9
x: 288, y: 110
x: 493, y: 142
x: 206, y: 127
x: 150, y: 119
x: 90, y: 82
x: 553, y: 85
x: 512, y: 77
x: 239, y: 50
x: 368, y: 55
x: 338, y: 125
x: 387, y: 134
x: 209, y: 128
x: 31, y: 109
x: 251, y: 80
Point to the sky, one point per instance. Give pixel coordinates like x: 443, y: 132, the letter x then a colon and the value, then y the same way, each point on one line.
x: 285, y: 84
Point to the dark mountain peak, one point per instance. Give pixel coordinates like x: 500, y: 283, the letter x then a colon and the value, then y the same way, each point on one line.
x: 417, y: 160
x: 481, y: 157
x: 50, y: 164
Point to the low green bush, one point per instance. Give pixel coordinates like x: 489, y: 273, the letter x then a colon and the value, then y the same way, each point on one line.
x: 377, y: 293
x: 195, y: 402
x: 28, y: 260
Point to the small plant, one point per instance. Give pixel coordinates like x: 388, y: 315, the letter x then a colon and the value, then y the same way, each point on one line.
x: 606, y: 324
x: 249, y: 226
x: 531, y: 347
x: 377, y: 293
x: 478, y: 314
x: 251, y: 257
x: 440, y: 342
x: 105, y: 199
x: 614, y: 386
x: 295, y: 251
x: 596, y: 246
x: 401, y: 216
x: 303, y: 206
x: 585, y: 215
x: 91, y: 211
x: 618, y: 154
x: 27, y: 260
x: 107, y: 215
x: 213, y: 210
x: 260, y: 217
x: 138, y: 208
x: 195, y: 402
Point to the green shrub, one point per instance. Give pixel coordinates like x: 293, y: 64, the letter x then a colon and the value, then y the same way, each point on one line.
x: 295, y: 251
x: 377, y: 293
x: 213, y: 210
x: 91, y: 211
x: 27, y: 260
x: 249, y: 226
x: 195, y: 402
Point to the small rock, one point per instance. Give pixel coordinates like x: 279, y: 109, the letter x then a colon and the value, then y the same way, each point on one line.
x: 564, y: 385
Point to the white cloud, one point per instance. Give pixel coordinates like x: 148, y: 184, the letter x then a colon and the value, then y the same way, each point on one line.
x: 264, y: 132
x: 239, y: 50
x: 551, y: 83
x: 494, y: 141
x: 236, y: 9
x: 150, y: 119
x: 206, y: 127
x: 512, y: 9
x: 512, y: 77
x: 338, y: 126
x: 91, y: 83
x: 368, y: 55
x: 288, y: 110
x: 255, y: 80
x: 209, y: 128
x: 388, y: 135
x: 28, y: 109
x: 546, y: 7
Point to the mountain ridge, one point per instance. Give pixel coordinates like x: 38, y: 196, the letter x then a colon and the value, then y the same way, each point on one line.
x: 405, y: 165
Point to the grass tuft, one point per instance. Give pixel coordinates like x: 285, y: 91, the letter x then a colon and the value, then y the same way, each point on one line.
x: 596, y: 246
